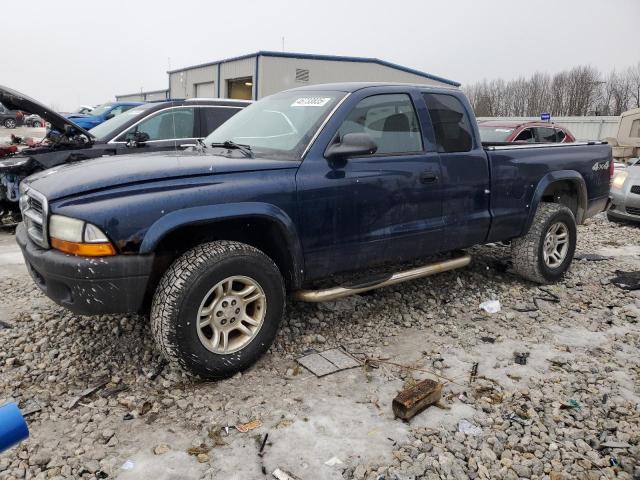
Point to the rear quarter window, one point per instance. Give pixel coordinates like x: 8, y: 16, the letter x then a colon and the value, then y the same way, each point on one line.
x: 450, y: 123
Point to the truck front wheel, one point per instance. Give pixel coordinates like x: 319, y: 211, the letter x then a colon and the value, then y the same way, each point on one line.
x: 544, y: 254
x: 217, y: 309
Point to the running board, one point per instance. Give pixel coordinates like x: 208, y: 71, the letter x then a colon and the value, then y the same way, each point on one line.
x: 334, y: 293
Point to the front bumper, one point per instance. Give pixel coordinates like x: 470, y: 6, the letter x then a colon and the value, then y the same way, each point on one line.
x: 625, y: 205
x: 88, y: 286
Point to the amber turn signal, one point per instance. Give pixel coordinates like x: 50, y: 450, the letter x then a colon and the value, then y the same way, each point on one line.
x: 84, y: 249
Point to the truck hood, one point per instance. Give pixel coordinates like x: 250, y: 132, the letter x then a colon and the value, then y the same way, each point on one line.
x: 119, y: 170
x: 14, y: 100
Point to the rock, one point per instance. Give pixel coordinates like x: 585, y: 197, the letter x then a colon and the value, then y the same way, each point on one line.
x: 203, y: 458
x: 40, y: 458
x: 161, y: 449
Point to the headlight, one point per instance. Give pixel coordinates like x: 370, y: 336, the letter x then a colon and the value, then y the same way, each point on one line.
x: 77, y: 237
x: 618, y: 179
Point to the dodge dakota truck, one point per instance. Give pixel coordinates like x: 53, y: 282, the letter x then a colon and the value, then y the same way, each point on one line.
x: 300, y: 188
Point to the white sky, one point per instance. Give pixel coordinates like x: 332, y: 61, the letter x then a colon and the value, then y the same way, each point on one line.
x: 84, y: 52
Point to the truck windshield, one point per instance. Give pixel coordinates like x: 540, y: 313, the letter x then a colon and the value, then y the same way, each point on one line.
x: 494, y: 134
x: 106, y: 130
x: 280, y: 126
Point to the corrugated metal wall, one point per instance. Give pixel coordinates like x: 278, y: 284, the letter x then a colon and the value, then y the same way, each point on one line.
x: 583, y: 128
x: 279, y: 73
x: 143, y: 96
x: 182, y: 84
x: 130, y: 97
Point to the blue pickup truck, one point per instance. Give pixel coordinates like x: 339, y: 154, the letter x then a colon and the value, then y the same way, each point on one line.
x: 294, y: 189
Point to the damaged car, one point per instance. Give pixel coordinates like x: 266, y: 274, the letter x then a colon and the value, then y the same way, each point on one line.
x: 168, y: 125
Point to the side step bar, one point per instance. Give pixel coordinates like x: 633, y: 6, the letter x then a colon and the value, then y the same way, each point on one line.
x: 334, y: 293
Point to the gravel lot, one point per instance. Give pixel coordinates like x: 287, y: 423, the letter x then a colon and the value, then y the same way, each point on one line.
x: 572, y: 412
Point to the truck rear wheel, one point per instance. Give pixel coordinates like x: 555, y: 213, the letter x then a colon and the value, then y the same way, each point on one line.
x: 217, y: 308
x: 544, y: 254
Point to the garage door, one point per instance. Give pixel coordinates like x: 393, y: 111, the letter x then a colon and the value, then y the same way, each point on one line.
x: 204, y: 90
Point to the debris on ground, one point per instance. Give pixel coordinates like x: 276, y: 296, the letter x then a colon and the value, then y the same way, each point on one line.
x: 246, y: 427
x: 333, y: 461
x: 263, y: 444
x: 520, y: 357
x: 412, y: 401
x: 487, y: 339
x: 109, y: 392
x: 283, y: 475
x: 4, y: 324
x: 570, y: 404
x: 85, y: 393
x: 468, y: 428
x: 491, y: 306
x: 474, y: 372
x: 626, y: 280
x: 328, y: 362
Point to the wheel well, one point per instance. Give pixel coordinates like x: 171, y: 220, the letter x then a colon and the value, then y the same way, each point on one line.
x: 263, y: 234
x: 567, y: 193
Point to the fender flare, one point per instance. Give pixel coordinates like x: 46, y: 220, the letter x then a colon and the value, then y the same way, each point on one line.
x: 554, y: 177
x: 230, y: 211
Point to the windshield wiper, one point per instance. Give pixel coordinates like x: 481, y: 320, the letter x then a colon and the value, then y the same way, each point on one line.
x: 246, y: 149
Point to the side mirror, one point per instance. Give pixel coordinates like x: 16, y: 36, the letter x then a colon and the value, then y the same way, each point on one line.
x: 351, y: 145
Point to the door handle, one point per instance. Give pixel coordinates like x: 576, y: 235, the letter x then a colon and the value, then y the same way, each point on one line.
x: 428, y: 177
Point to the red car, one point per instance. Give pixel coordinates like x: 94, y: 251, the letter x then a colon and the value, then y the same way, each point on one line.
x: 526, y: 132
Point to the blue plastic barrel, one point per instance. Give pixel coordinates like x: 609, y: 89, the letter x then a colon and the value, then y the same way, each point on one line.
x: 13, y: 428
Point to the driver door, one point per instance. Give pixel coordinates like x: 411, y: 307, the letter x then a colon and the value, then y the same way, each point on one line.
x: 372, y: 209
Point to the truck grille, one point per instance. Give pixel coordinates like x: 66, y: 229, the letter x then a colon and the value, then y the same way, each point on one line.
x: 635, y: 189
x: 633, y: 211
x: 34, y: 212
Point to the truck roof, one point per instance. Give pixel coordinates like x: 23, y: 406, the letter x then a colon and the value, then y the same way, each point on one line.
x: 354, y: 86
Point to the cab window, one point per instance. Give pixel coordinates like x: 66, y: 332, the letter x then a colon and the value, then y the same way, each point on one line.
x: 450, y: 123
x: 174, y: 123
x: 390, y: 120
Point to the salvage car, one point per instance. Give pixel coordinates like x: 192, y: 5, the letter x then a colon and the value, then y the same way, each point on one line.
x: 101, y: 113
x: 8, y: 118
x: 34, y: 121
x: 625, y: 194
x: 149, y: 127
x: 297, y: 188
x: 526, y: 132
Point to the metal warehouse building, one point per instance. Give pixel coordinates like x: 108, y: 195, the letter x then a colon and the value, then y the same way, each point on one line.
x: 150, y: 96
x: 253, y: 76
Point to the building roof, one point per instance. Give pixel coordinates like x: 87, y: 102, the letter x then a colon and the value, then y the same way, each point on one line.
x: 334, y: 58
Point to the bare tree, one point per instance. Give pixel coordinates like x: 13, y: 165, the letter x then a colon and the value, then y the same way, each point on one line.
x: 634, y: 85
x: 578, y: 91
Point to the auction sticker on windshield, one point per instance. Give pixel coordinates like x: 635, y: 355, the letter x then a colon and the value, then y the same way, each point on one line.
x: 311, y: 102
